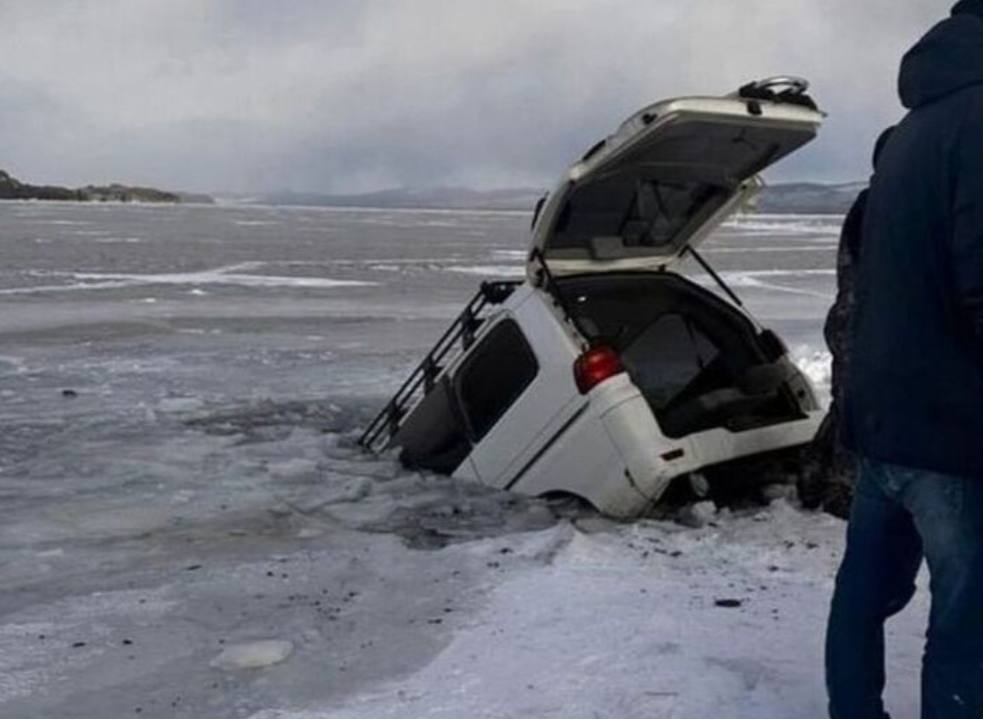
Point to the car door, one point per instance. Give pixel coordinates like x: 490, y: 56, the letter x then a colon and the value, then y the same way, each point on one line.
x: 513, y: 397
x: 488, y: 385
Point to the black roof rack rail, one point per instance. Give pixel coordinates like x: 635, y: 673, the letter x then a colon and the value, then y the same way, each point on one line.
x: 460, y: 336
x: 794, y: 91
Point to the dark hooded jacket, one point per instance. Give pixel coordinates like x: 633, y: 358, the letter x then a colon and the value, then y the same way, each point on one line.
x: 915, y: 388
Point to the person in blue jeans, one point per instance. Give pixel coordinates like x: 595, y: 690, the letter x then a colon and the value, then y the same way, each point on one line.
x: 914, y: 400
x: 899, y: 515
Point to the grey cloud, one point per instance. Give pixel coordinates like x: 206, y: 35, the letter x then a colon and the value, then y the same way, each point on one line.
x: 349, y: 96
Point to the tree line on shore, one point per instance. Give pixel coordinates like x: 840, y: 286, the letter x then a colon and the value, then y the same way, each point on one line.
x: 13, y: 189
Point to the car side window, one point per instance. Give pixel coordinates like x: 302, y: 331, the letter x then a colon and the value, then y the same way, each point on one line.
x: 495, y: 375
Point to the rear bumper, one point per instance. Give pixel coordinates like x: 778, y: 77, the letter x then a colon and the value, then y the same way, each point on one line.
x: 615, y: 456
x: 654, y: 460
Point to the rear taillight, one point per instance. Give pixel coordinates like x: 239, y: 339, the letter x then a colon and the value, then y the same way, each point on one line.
x: 595, y: 366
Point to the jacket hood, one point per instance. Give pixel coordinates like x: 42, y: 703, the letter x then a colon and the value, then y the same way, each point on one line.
x: 949, y: 58
x: 974, y: 7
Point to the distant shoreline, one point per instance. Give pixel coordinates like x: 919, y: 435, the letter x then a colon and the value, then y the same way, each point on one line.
x: 97, y: 203
x: 219, y: 203
x: 803, y: 198
x: 13, y: 189
x: 799, y: 198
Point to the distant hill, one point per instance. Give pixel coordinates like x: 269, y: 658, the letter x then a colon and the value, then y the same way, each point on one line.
x: 13, y: 189
x: 808, y: 198
x: 444, y: 198
x: 787, y: 198
x: 195, y: 198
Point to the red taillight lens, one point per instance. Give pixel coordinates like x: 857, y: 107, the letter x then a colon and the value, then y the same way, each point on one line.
x: 595, y: 366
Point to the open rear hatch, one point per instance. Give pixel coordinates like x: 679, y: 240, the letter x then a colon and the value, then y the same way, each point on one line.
x: 699, y: 362
x: 669, y: 175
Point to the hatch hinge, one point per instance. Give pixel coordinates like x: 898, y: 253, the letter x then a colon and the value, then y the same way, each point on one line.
x: 783, y: 89
x: 547, y: 281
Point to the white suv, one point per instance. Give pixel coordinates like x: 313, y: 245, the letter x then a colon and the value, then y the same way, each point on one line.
x: 605, y: 374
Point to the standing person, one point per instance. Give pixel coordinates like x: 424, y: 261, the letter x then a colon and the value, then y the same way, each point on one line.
x: 830, y: 473
x: 915, y: 392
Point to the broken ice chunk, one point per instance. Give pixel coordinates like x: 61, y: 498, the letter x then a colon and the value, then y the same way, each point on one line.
x: 253, y: 655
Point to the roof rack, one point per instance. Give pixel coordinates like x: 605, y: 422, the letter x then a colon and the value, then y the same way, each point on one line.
x: 459, y: 336
x: 784, y: 88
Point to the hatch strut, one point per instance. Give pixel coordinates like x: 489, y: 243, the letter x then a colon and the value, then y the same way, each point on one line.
x: 717, y: 278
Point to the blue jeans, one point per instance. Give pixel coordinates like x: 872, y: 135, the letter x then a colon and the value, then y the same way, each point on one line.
x: 898, y: 515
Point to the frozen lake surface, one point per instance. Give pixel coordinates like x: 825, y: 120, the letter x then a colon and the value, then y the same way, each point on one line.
x: 187, y: 528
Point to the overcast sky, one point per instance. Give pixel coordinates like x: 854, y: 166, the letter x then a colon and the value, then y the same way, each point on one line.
x: 357, y: 95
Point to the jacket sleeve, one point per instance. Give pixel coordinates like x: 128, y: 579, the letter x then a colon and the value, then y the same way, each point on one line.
x: 967, y: 245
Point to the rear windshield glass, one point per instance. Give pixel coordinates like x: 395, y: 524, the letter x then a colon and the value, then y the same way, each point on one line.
x: 647, y: 213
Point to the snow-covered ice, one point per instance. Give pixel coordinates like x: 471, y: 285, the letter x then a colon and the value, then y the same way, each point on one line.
x: 187, y: 528
x: 253, y: 655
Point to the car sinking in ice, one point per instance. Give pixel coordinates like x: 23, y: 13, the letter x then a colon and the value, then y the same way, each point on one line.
x: 606, y: 374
